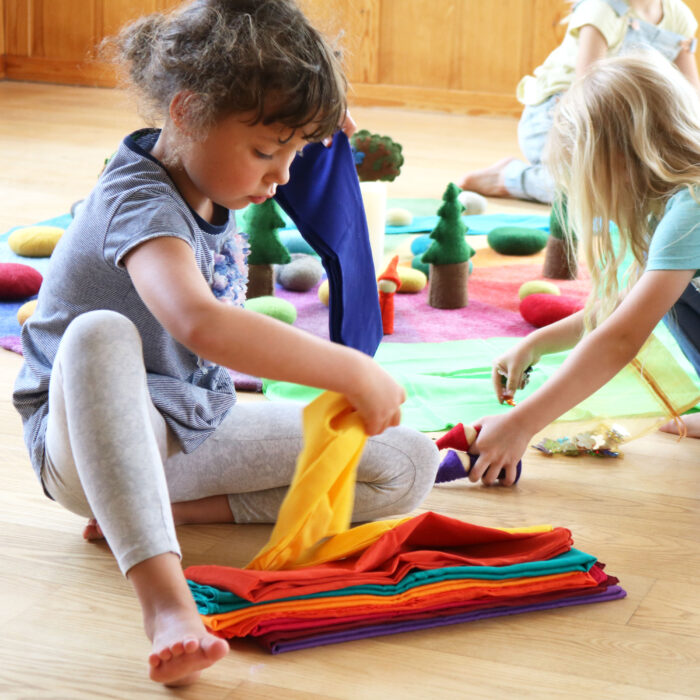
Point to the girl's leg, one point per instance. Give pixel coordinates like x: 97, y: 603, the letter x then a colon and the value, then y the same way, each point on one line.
x: 531, y: 180
x: 252, y: 457
x: 105, y: 446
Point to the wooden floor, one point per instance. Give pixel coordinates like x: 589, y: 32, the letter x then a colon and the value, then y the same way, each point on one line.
x: 70, y: 628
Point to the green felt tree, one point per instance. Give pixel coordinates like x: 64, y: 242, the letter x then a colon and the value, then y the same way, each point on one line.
x: 262, y: 223
x: 449, y: 244
x: 376, y: 157
x: 449, y: 255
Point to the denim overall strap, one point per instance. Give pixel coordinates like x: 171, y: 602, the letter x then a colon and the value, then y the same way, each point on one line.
x: 642, y: 34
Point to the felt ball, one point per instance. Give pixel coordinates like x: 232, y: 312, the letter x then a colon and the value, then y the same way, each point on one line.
x: 516, y: 240
x: 418, y: 264
x: 295, y: 243
x: 538, y: 287
x: 420, y: 244
x: 35, y: 241
x: 412, y: 280
x: 18, y: 281
x: 473, y: 202
x: 399, y: 217
x: 301, y: 274
x: 275, y: 307
x: 25, y: 311
x: 323, y: 292
x: 543, y: 309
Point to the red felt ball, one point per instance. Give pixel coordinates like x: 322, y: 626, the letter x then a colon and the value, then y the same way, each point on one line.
x: 543, y: 309
x: 18, y: 281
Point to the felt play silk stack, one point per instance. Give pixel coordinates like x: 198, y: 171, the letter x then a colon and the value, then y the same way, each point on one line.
x: 317, y: 582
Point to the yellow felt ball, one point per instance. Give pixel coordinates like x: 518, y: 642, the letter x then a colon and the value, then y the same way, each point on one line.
x: 538, y: 287
x: 323, y: 292
x: 25, y: 311
x: 35, y: 241
x: 412, y: 280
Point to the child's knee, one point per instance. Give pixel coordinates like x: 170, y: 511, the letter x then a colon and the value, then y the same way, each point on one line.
x: 97, y: 329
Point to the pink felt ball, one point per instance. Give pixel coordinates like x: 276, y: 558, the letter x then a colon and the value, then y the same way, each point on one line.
x: 18, y: 281
x: 543, y: 309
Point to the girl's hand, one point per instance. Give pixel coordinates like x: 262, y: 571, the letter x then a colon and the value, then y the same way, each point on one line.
x: 348, y: 127
x: 376, y: 397
x: 513, y: 366
x: 501, y: 442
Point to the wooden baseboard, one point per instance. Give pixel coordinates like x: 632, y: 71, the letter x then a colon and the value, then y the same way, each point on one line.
x: 62, y: 72
x: 441, y: 100
x: 2, y: 68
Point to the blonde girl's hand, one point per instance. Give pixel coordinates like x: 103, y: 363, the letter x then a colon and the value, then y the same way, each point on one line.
x: 377, y: 397
x: 513, y: 367
x: 500, y: 444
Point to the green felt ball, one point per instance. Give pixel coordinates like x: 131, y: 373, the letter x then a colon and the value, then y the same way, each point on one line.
x: 516, y: 240
x: 538, y: 287
x: 418, y: 264
x: 280, y: 309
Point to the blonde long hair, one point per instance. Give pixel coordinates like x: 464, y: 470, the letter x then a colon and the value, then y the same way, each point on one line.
x: 625, y: 138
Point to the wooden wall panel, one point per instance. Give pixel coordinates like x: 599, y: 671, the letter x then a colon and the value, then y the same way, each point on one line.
x: 454, y: 55
x: 2, y: 39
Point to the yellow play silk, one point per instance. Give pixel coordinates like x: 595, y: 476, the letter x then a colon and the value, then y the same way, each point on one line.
x: 651, y: 390
x: 312, y: 525
x: 321, y: 496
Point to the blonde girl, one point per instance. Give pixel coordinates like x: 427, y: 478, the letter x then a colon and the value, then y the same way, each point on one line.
x: 624, y: 148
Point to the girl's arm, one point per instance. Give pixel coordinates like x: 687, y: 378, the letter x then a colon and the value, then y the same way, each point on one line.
x: 596, y: 359
x: 169, y: 282
x: 591, y: 46
x: 687, y: 65
x: 556, y: 337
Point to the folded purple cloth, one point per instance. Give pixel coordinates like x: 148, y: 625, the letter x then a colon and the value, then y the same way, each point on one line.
x: 277, y: 646
x: 451, y: 468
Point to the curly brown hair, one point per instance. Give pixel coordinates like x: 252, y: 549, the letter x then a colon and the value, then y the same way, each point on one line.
x: 259, y: 57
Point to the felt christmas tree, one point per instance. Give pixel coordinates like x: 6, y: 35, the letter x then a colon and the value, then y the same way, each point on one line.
x: 263, y: 222
x: 560, y: 260
x: 449, y: 255
x: 376, y: 157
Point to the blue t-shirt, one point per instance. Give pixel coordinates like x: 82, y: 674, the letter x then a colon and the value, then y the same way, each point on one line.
x: 134, y: 201
x: 675, y: 244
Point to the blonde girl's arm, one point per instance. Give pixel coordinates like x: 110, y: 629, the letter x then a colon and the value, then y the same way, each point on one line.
x: 688, y: 66
x: 169, y: 282
x: 595, y: 360
x: 591, y: 46
x: 556, y: 337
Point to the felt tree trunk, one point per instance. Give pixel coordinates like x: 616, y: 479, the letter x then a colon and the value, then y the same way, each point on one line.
x: 448, y: 288
x: 560, y: 261
x: 261, y: 281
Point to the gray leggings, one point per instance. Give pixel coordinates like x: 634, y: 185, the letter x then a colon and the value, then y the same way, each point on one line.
x: 110, y: 454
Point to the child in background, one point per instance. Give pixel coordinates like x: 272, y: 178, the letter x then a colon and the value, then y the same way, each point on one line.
x: 624, y: 147
x: 129, y: 414
x: 596, y: 29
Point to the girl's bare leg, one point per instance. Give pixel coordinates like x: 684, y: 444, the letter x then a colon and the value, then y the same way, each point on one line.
x: 692, y: 425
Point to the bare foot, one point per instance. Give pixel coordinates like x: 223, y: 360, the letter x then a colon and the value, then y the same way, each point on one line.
x: 92, y: 531
x: 692, y: 425
x: 214, y: 509
x: 182, y: 647
x: 487, y: 181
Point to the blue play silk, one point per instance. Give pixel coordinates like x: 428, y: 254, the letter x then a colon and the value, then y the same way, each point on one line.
x: 323, y: 199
